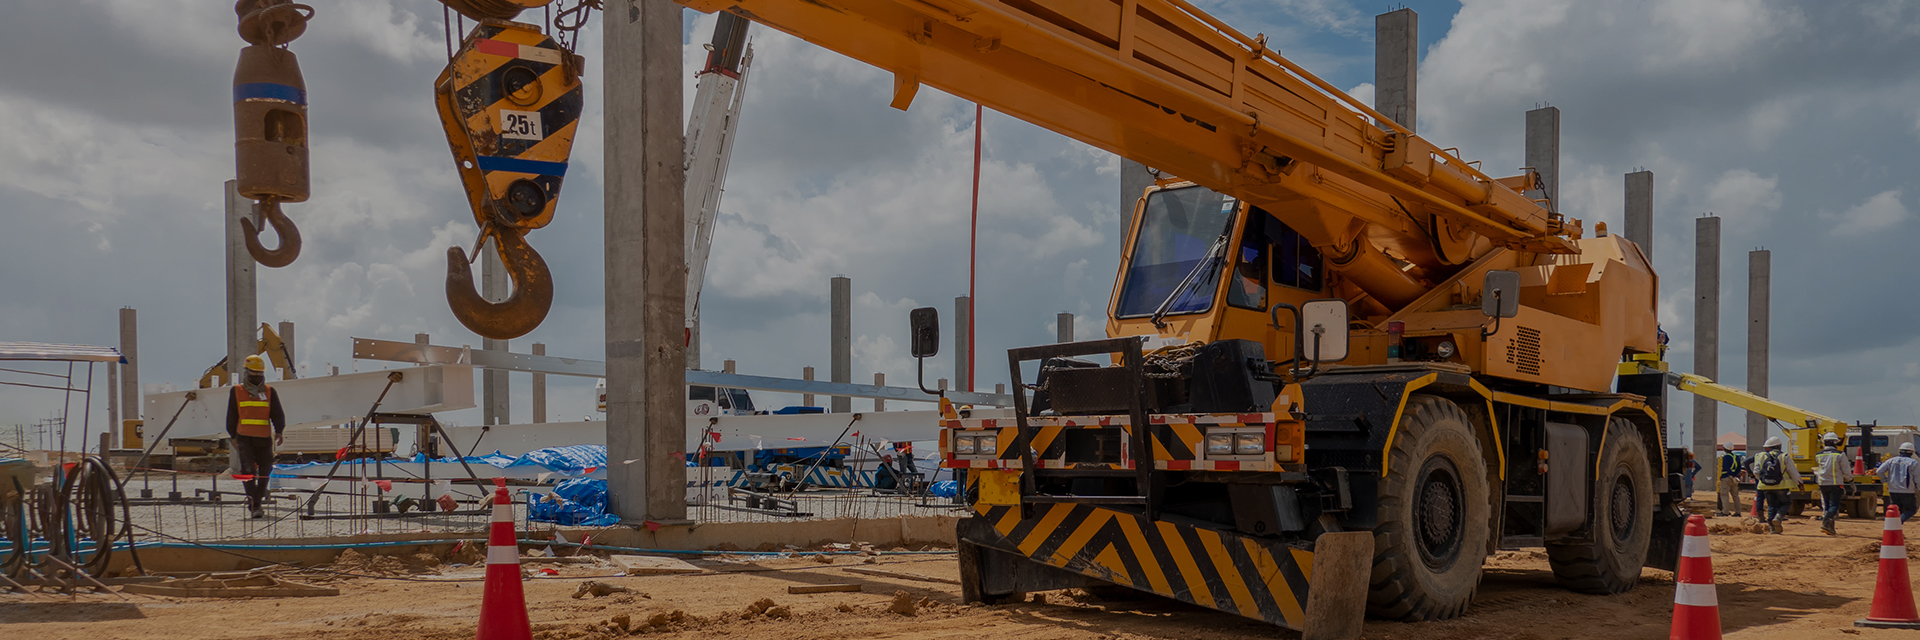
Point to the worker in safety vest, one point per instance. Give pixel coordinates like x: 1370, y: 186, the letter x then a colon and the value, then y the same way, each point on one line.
x: 1898, y: 473
x: 255, y: 422
x: 1728, y: 483
x: 1832, y: 472
x: 1777, y: 478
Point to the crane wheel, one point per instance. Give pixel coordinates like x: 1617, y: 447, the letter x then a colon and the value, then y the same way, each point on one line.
x: 1434, y: 513
x: 1623, y: 503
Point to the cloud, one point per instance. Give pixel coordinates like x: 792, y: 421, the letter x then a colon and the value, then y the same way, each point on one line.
x: 1879, y: 213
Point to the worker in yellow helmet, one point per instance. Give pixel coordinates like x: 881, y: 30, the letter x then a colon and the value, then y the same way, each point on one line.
x: 255, y: 422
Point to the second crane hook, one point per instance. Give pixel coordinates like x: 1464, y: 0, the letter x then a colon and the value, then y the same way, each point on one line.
x: 289, y: 248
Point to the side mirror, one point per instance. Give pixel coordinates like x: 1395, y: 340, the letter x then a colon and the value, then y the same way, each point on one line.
x: 926, y: 331
x: 1323, y: 326
x: 1500, y: 297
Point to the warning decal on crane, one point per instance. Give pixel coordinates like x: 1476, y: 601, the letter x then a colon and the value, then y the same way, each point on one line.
x: 510, y: 104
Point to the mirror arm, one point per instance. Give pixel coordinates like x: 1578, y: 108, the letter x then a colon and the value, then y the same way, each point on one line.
x: 1484, y: 333
x: 1299, y: 343
x: 921, y: 379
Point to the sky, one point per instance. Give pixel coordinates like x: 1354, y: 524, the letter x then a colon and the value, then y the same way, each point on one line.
x: 1794, y: 122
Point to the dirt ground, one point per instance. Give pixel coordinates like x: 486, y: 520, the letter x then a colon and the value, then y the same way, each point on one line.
x: 1802, y: 585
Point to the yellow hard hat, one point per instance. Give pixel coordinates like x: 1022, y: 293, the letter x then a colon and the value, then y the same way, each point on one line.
x: 256, y: 363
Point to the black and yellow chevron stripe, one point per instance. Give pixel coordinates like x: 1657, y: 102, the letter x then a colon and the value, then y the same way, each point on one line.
x: 511, y: 67
x: 1247, y: 576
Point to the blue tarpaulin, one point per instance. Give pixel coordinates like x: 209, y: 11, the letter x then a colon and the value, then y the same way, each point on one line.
x: 576, y: 502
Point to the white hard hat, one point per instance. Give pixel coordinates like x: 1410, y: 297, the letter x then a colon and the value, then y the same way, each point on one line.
x: 1830, y: 436
x: 1773, y: 442
x: 1906, y: 446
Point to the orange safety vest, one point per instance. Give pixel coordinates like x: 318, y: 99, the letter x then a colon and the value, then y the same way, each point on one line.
x: 256, y: 414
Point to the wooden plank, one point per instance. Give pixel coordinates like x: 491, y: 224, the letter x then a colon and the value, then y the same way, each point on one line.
x: 899, y: 575
x: 653, y: 565
x: 822, y: 588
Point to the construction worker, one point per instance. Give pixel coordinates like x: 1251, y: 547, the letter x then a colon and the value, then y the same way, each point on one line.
x: 255, y: 422
x: 1776, y: 476
x: 1832, y: 472
x: 1899, y: 474
x: 1692, y: 468
x: 1728, y: 481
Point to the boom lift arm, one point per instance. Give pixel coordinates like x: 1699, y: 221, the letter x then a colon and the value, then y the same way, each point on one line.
x: 710, y: 135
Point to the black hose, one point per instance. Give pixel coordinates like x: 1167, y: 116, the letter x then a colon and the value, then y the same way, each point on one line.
x: 87, y: 500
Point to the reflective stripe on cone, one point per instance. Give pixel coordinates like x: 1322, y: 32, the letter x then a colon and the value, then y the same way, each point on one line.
x: 1696, y: 603
x: 1892, y: 593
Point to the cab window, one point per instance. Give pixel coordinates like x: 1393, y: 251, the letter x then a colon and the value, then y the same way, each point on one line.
x: 1248, y: 290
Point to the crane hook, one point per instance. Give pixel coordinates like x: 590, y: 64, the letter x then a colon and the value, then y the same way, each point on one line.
x: 282, y: 226
x: 521, y: 312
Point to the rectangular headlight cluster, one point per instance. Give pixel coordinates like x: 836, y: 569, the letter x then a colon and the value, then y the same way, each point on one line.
x: 970, y: 445
x: 1236, y: 444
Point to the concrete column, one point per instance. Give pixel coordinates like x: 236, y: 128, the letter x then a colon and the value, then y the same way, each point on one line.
x: 962, y: 344
x: 494, y: 390
x: 806, y: 399
x: 242, y: 300
x: 1543, y: 152
x: 293, y: 346
x: 539, y: 388
x: 1640, y: 213
x: 1000, y: 388
x: 646, y: 268
x: 840, y: 368
x: 132, y: 401
x: 1706, y: 332
x: 1759, y: 335
x: 879, y: 380
x: 1063, y: 327
x: 1396, y: 65
x: 943, y: 384
x: 727, y: 366
x: 1134, y: 180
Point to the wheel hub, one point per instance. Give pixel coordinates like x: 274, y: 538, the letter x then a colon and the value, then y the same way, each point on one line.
x: 1438, y: 517
x: 1621, y: 509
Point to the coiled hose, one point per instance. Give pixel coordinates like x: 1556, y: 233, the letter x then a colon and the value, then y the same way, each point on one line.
x: 80, y: 517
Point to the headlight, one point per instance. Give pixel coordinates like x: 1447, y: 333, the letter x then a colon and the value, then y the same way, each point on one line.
x: 1249, y: 444
x: 987, y: 445
x: 1219, y: 444
x: 1445, y: 350
x: 963, y: 445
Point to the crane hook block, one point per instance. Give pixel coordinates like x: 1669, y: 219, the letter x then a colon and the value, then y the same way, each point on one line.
x: 522, y: 311
x: 510, y: 101
x: 270, y: 121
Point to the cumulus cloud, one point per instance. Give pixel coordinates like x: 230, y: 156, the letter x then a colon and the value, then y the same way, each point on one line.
x: 1879, y: 213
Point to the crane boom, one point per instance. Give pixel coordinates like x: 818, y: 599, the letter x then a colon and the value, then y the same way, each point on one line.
x: 1162, y: 83
x: 710, y: 135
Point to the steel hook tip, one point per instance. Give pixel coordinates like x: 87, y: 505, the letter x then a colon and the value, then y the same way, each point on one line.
x: 283, y: 226
x: 521, y: 312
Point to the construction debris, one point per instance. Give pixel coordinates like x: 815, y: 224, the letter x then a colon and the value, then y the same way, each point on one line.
x: 653, y: 565
x: 259, y: 586
x: 598, y: 589
x: 822, y: 588
x: 900, y: 575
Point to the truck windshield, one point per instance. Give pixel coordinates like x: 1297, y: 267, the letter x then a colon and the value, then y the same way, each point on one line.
x: 1177, y: 229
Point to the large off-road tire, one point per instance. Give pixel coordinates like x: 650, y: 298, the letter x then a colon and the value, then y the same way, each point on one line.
x: 1609, y: 560
x: 1434, y: 514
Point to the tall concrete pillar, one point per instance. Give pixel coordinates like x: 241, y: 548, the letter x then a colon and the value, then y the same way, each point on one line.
x: 494, y: 287
x: 1063, y: 327
x: 539, y: 388
x: 132, y: 402
x: 1706, y: 332
x: 1134, y: 180
x: 293, y: 350
x: 806, y: 399
x: 646, y: 267
x: 1640, y: 212
x: 242, y: 299
x: 1396, y: 65
x: 1759, y: 335
x: 879, y: 380
x: 726, y: 366
x: 1543, y: 152
x: 962, y: 344
x: 840, y: 366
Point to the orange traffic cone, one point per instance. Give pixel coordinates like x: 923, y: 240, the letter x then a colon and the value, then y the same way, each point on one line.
x: 1696, y: 605
x: 1892, y: 593
x: 503, y: 607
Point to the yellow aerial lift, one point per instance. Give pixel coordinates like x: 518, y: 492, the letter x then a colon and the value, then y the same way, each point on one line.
x: 269, y: 344
x: 1803, y: 429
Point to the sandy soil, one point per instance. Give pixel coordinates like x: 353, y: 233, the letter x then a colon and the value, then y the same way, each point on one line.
x: 1802, y: 585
